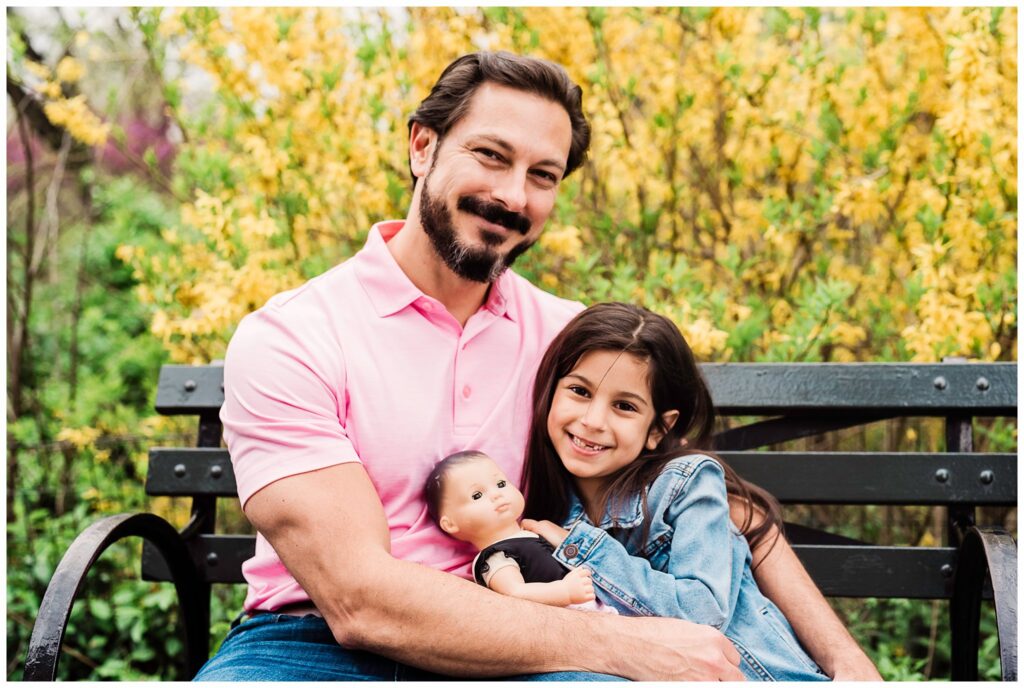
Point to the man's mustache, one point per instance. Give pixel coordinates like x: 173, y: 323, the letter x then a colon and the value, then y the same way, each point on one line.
x: 495, y: 213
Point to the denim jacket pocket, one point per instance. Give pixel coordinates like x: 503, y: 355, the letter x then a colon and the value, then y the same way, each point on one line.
x: 751, y: 668
x: 786, y: 637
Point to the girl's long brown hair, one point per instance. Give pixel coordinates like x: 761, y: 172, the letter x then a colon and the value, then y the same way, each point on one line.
x: 675, y: 382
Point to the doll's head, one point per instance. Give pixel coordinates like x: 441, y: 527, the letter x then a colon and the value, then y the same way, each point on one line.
x: 471, y: 499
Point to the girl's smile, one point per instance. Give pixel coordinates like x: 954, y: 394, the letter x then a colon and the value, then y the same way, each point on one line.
x: 584, y: 446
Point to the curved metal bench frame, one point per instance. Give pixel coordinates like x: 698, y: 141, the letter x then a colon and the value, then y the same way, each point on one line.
x: 984, y: 553
x: 52, y: 621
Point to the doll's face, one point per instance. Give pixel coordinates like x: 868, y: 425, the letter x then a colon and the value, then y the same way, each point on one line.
x: 478, y: 499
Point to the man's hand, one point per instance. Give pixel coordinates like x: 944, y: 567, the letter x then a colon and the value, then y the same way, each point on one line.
x: 579, y: 586
x: 551, y: 532
x: 674, y: 650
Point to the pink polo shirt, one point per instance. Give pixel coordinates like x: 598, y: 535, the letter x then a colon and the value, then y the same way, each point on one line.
x: 360, y: 365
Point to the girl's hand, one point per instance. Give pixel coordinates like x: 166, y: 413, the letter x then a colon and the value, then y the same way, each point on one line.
x: 551, y: 532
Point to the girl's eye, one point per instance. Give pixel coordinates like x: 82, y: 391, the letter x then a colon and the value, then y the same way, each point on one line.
x: 578, y: 390
x: 625, y: 406
x: 477, y: 495
x: 502, y: 483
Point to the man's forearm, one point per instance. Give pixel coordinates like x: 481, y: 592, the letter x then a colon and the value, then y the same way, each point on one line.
x: 442, y: 623
x: 338, y: 551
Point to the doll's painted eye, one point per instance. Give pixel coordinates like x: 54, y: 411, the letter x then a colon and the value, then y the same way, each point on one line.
x: 477, y: 495
x: 502, y: 483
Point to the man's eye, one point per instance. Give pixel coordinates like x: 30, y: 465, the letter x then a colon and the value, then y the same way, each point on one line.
x: 477, y: 495
x: 488, y: 153
x: 502, y: 483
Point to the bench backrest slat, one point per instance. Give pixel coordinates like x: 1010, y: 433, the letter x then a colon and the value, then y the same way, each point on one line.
x: 189, y: 471
x: 980, y: 389
x: 880, y: 478
x: 910, y: 389
x: 793, y: 477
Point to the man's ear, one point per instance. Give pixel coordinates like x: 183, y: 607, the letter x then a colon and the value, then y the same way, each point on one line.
x: 669, y: 419
x: 448, y: 525
x: 422, y: 141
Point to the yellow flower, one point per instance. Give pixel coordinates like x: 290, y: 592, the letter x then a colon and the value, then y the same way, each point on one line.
x: 564, y: 241
x: 75, y: 116
x: 70, y: 70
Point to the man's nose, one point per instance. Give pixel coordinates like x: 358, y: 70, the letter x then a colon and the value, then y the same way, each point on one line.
x: 510, y: 190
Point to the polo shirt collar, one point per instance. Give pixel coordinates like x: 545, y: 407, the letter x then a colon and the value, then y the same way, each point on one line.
x: 390, y: 289
x: 387, y: 286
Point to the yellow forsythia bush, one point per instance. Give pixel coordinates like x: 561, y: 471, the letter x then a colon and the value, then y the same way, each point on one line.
x: 786, y: 184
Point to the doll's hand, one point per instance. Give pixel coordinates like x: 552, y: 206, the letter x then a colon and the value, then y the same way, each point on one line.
x: 551, y: 532
x: 581, y: 588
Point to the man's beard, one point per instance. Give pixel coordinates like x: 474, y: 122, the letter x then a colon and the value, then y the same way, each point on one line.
x: 478, y: 264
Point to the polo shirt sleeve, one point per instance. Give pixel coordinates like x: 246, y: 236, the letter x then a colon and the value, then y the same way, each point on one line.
x: 284, y: 403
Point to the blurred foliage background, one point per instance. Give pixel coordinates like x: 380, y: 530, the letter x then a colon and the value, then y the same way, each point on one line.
x: 785, y: 184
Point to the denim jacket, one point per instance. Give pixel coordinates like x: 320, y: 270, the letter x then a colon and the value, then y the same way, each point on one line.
x: 694, y: 565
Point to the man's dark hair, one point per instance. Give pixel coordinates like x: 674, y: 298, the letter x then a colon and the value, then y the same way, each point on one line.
x: 433, y: 491
x: 448, y: 101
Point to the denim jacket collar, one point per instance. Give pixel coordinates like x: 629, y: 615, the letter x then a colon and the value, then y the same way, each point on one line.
x: 629, y: 514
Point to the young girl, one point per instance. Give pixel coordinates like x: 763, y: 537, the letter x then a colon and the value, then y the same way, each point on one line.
x: 617, y: 397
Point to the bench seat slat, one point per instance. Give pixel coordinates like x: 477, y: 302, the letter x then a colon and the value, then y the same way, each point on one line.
x: 842, y: 571
x: 880, y: 478
x: 751, y: 388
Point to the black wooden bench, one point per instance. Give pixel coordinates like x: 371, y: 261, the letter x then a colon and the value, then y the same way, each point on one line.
x: 798, y: 400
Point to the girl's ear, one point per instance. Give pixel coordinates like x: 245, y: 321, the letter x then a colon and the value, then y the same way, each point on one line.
x: 421, y: 149
x: 448, y: 526
x: 668, y: 419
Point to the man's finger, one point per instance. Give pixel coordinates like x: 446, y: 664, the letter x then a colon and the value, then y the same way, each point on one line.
x: 731, y: 654
x: 732, y: 673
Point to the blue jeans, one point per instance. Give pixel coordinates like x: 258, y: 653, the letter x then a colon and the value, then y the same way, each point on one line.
x: 279, y: 647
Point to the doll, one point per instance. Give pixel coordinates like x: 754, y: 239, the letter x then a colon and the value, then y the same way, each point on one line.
x: 470, y: 498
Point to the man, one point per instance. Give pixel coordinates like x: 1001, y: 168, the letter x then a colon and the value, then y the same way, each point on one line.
x: 341, y: 395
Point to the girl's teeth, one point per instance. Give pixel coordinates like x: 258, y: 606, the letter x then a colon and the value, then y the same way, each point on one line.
x: 580, y: 443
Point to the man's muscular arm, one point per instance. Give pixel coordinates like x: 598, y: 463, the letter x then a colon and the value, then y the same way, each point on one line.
x: 785, y: 581
x: 329, y: 529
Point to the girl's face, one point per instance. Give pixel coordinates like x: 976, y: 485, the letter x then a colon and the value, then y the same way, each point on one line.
x: 601, y: 418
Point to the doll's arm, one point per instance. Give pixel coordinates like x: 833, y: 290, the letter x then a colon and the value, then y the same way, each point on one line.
x: 575, y: 588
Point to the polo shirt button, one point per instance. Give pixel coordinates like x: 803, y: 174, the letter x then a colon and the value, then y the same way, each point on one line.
x: 571, y: 551
x: 466, y: 392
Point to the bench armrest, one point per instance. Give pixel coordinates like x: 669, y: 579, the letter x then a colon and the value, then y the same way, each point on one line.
x: 985, y: 553
x: 55, y: 610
